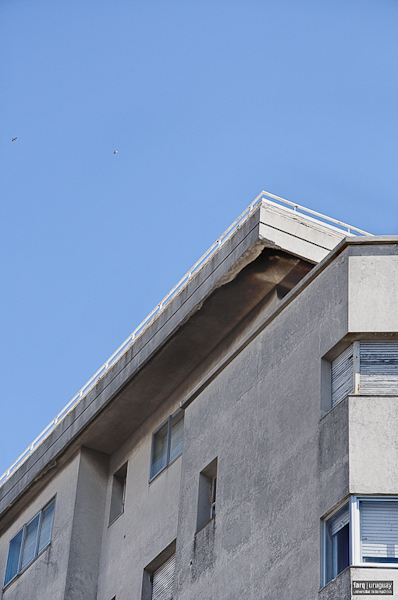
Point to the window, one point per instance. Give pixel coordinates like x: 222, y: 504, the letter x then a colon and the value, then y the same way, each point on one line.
x: 207, y: 495
x: 366, y: 367
x: 379, y: 531
x: 29, y: 542
x: 362, y: 533
x: 158, y: 576
x: 118, y: 493
x: 338, y: 543
x: 167, y: 443
x: 163, y: 580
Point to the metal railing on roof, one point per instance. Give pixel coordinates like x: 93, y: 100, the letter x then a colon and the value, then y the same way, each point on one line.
x: 295, y: 210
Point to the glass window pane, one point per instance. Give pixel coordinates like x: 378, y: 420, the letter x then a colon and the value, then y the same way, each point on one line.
x: 46, y: 526
x: 338, y: 543
x: 379, y: 530
x: 159, y: 450
x: 177, y: 435
x: 29, y: 547
x: 13, y: 557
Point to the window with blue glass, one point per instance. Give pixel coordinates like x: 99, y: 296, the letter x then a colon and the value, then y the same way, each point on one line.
x: 364, y: 532
x: 29, y: 542
x: 167, y: 442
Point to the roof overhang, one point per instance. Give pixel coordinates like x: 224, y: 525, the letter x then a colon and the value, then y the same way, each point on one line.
x: 250, y: 273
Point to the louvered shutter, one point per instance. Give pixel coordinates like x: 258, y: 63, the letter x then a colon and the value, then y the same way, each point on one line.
x: 379, y: 530
x: 339, y: 521
x: 30, y: 542
x: 46, y: 526
x: 379, y: 367
x: 163, y: 580
x: 343, y: 375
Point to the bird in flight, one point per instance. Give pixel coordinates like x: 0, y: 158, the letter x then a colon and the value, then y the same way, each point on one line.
x: 115, y: 152
x: 13, y: 139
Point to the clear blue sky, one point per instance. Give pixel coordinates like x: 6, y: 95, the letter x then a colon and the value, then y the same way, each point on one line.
x: 207, y: 103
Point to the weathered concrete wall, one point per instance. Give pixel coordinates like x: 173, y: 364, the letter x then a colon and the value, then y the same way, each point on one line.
x: 88, y: 518
x: 149, y: 522
x: 340, y: 588
x: 373, y: 444
x: 45, y: 578
x: 373, y: 288
x: 261, y: 417
x: 337, y: 589
x: 333, y: 465
x: 285, y: 459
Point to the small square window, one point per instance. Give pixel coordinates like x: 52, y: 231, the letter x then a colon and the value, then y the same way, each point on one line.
x: 167, y: 443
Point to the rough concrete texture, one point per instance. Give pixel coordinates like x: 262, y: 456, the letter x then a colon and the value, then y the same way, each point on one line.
x: 339, y: 588
x: 333, y: 457
x: 88, y: 517
x: 373, y: 289
x: 149, y: 522
x: 373, y: 445
x: 257, y: 399
x: 261, y: 418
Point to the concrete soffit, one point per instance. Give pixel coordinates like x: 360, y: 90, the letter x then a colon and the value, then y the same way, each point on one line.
x: 130, y: 387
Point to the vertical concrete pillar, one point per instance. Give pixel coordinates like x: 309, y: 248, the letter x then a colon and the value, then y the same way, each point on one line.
x: 87, y: 527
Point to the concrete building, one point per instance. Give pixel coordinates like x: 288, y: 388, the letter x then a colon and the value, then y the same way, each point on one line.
x: 242, y: 443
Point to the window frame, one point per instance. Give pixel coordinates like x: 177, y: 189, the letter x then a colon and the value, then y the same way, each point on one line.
x: 169, y: 461
x: 119, y: 480
x: 355, y: 549
x: 154, y: 565
x: 24, y: 530
x: 207, y: 495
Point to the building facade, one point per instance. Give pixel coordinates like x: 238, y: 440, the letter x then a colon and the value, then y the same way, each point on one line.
x: 245, y: 443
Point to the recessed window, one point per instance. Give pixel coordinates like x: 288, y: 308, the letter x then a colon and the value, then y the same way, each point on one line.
x: 167, y: 443
x: 362, y: 533
x: 118, y: 493
x: 163, y: 580
x: 158, y: 576
x: 29, y: 542
x: 338, y: 543
x: 207, y: 495
x: 367, y: 367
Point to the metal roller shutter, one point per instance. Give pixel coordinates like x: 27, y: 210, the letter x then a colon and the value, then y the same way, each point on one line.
x: 343, y: 375
x: 379, y: 530
x: 163, y: 580
x: 339, y: 521
x: 379, y: 367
